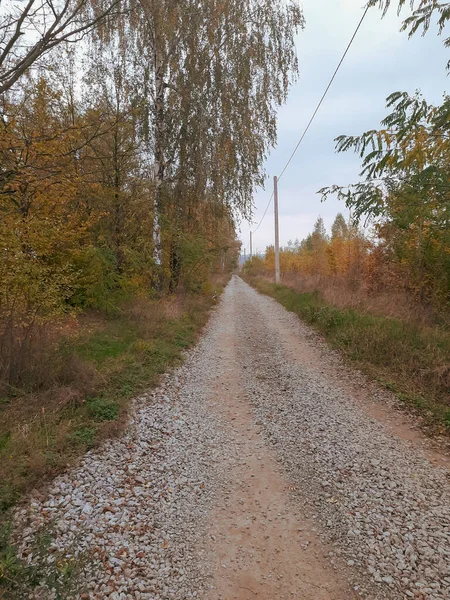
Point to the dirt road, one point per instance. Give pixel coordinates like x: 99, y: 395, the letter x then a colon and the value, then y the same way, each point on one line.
x: 260, y: 469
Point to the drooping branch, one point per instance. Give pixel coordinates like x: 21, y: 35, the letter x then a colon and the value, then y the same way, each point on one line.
x: 53, y: 24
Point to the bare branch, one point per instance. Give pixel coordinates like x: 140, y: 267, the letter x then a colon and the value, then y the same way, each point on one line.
x: 66, y: 25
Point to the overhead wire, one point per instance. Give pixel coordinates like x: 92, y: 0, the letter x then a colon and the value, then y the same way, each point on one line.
x: 265, y: 212
x: 316, y: 110
x: 325, y: 93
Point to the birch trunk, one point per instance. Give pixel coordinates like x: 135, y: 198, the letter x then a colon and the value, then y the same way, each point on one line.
x: 158, y: 153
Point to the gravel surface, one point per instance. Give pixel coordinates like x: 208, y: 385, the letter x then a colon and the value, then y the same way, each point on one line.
x: 386, y: 508
x: 136, y: 514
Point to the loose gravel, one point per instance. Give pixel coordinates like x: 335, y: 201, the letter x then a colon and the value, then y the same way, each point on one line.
x: 136, y: 513
x: 133, y: 516
x: 381, y: 502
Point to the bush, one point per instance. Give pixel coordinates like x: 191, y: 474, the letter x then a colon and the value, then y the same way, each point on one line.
x: 415, y: 359
x: 254, y: 267
x: 99, y: 284
x: 103, y: 410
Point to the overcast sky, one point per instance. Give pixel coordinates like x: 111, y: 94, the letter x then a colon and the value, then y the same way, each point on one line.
x: 382, y: 60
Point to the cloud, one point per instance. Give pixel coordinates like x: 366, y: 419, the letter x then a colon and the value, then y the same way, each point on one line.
x: 381, y: 60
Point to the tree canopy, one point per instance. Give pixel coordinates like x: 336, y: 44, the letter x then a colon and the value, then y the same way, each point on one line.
x: 133, y: 134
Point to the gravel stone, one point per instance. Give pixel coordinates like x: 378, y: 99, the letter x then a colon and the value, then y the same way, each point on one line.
x: 136, y: 512
x: 388, y: 505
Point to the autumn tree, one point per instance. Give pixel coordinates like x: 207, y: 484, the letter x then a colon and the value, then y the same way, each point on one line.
x: 406, y: 190
x: 212, y: 75
x: 30, y: 30
x: 337, y: 247
x: 43, y: 222
x: 316, y: 245
x: 132, y: 137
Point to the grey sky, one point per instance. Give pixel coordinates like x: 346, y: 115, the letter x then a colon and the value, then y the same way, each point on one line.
x: 382, y: 60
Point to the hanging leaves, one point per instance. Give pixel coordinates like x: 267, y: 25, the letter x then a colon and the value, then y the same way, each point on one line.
x: 406, y: 191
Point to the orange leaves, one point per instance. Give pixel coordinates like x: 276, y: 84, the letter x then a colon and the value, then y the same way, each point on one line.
x: 43, y: 220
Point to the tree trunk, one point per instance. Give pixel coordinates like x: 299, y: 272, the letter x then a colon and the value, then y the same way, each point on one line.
x: 159, y: 128
x: 118, y: 203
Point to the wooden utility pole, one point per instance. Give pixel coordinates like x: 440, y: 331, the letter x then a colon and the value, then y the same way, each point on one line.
x: 251, y: 246
x: 277, y: 233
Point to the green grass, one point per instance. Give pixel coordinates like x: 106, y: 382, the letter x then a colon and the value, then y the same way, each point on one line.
x: 106, y: 345
x: 84, y: 436
x: 102, y: 409
x: 410, y: 360
x: 101, y: 369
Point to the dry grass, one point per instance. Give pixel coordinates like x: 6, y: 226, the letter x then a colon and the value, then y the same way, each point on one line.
x: 409, y: 358
x: 25, y: 351
x: 345, y: 293
x: 80, y: 380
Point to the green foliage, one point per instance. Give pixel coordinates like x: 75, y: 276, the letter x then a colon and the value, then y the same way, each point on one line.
x: 98, y: 284
x: 447, y: 418
x: 9, y: 495
x: 11, y: 568
x: 18, y: 578
x: 197, y: 259
x: 407, y: 355
x: 84, y: 435
x: 254, y: 266
x: 4, y: 439
x: 101, y: 409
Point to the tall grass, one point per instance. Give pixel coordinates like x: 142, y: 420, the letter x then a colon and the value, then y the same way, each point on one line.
x: 77, y: 387
x: 345, y: 292
x: 411, y: 359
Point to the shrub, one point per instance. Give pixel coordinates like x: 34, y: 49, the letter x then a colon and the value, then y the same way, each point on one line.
x: 98, y: 284
x: 84, y: 435
x: 102, y: 409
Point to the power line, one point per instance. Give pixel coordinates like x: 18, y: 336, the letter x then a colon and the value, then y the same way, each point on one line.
x: 316, y: 111
x: 265, y: 212
x: 326, y: 92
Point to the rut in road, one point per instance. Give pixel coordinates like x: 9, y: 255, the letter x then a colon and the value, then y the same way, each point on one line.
x: 250, y: 473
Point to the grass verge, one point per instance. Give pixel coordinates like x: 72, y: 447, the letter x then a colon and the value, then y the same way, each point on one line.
x: 98, y: 370
x: 410, y: 360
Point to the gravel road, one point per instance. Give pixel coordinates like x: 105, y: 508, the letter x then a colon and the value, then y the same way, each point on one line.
x: 253, y: 471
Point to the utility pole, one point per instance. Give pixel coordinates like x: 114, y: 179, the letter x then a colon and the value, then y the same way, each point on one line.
x: 277, y: 234
x: 251, y: 246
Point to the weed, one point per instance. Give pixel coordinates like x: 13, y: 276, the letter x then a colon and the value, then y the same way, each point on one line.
x: 17, y: 578
x: 4, y: 439
x: 84, y: 435
x: 101, y: 409
x: 11, y: 568
x: 411, y: 359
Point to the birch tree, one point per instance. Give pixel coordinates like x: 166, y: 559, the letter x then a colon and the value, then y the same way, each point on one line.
x: 30, y: 29
x: 214, y: 73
